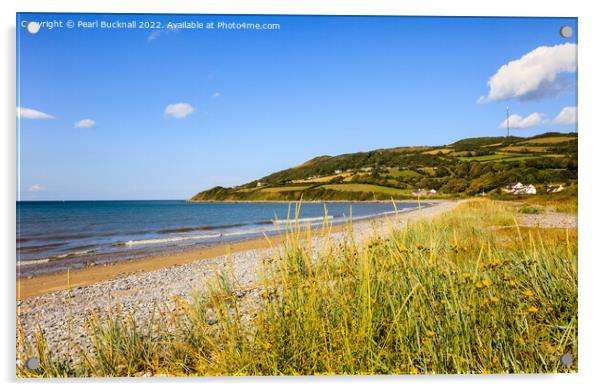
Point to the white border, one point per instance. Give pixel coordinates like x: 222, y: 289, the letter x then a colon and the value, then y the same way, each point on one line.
x: 590, y: 66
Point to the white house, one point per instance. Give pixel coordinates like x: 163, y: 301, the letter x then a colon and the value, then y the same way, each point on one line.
x: 530, y: 189
x: 519, y: 188
x: 514, y: 187
x: 554, y: 189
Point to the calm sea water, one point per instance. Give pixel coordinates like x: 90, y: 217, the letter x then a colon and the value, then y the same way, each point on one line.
x: 55, y: 235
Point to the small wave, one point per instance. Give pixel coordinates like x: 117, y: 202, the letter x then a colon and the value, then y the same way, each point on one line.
x: 167, y: 240
x: 73, y: 254
x: 34, y: 262
x: 191, y: 237
x: 201, y: 228
x: 244, y: 232
x: 55, y: 258
x: 302, y: 220
x: 264, y: 222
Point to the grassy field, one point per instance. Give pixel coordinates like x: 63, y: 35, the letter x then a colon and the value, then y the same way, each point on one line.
x: 438, y: 150
x: 365, y: 188
x: 484, y: 158
x: 397, y: 173
x: 322, y: 179
x: 283, y: 188
x: 468, y: 292
x: 525, y: 148
x: 549, y: 140
x: 501, y: 156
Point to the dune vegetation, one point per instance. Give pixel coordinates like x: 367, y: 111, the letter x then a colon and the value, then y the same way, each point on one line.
x: 469, y: 291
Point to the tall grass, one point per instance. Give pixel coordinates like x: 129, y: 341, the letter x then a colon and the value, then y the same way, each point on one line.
x: 451, y: 295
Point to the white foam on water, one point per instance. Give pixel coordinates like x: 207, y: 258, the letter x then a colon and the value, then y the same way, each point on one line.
x: 247, y: 231
x: 170, y: 239
x: 71, y: 254
x: 34, y: 262
x: 46, y: 260
x: 302, y: 220
x: 192, y: 237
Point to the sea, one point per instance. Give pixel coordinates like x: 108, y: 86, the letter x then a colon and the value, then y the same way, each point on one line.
x: 58, y: 235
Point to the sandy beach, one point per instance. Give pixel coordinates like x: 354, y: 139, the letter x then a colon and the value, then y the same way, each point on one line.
x: 59, y: 303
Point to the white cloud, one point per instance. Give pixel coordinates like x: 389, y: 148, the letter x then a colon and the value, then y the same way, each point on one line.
x: 36, y: 187
x: 161, y: 32
x: 154, y: 35
x: 518, y: 122
x: 216, y: 94
x: 535, y: 75
x: 24, y: 112
x: 85, y: 124
x: 179, y: 110
x: 567, y: 116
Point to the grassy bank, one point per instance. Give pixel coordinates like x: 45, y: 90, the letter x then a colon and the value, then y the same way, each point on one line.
x: 463, y: 169
x: 453, y: 295
x: 564, y: 202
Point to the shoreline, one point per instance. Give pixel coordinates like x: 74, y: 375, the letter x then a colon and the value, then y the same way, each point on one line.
x: 58, y: 305
x: 37, y: 285
x: 412, y: 199
x: 162, y: 283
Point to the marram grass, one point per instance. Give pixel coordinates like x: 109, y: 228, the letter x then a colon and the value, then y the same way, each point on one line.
x: 453, y: 295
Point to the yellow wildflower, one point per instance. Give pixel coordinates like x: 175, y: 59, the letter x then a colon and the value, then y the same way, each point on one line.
x: 486, y: 282
x: 512, y: 283
x: 528, y: 293
x: 465, y: 275
x: 443, y: 301
x: 419, y: 246
x: 413, y: 370
x: 430, y: 333
x: 532, y: 309
x: 495, y: 299
x: 479, y: 285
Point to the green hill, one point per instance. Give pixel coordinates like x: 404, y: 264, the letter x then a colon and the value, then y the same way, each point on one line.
x: 464, y: 168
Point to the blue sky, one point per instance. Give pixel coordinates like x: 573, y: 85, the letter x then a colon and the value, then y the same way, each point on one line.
x: 137, y: 114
